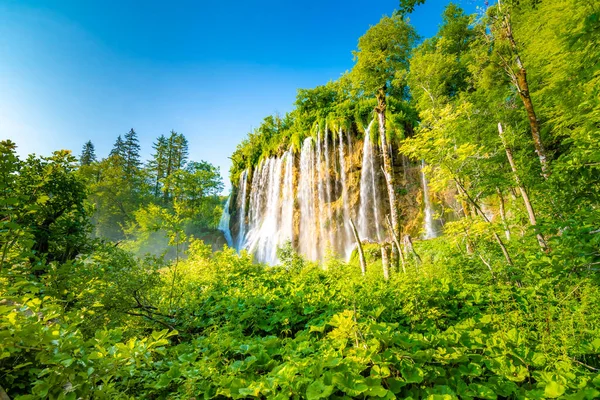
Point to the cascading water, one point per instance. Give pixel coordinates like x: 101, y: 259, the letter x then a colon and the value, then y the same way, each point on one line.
x: 286, y: 231
x: 347, y: 240
x: 308, y: 236
x: 430, y: 231
x: 369, y: 226
x: 241, y: 201
x: 310, y: 202
x: 328, y: 195
x: 321, y: 200
x: 224, y: 223
x: 262, y: 237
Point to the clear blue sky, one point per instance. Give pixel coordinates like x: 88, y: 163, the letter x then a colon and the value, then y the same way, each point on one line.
x: 78, y: 70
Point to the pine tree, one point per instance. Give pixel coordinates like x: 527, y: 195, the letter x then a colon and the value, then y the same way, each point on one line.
x: 88, y: 154
x: 158, y: 164
x: 176, y: 158
x: 180, y: 151
x: 118, y: 149
x: 131, y: 153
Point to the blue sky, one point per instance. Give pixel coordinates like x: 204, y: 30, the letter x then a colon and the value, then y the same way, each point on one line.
x: 78, y: 70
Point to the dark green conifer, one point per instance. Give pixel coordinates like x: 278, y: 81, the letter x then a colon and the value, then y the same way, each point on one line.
x: 88, y: 154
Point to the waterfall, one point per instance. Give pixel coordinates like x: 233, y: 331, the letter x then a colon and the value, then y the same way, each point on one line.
x: 263, y: 233
x: 242, y: 210
x: 347, y: 240
x: 326, y: 176
x: 286, y: 231
x: 224, y: 223
x: 321, y: 193
x: 255, y: 203
x: 308, y: 236
x: 308, y: 200
x: 430, y: 231
x: 369, y: 226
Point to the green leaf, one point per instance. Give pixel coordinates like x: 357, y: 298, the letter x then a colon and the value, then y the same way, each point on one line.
x: 412, y: 374
x: 351, y: 385
x: 318, y: 390
x: 395, y: 385
x: 596, y: 381
x: 482, y: 391
x: 554, y: 389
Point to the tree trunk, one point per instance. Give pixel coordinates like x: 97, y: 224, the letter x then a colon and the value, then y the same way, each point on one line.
x: 397, y: 243
x: 385, y: 261
x: 528, y: 206
x: 387, y: 163
x: 503, y: 248
x: 482, y: 214
x: 409, y: 245
x: 503, y: 214
x: 519, y: 79
x: 361, y: 254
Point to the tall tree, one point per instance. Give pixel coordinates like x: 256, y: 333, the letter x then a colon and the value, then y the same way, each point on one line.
x: 508, y: 54
x: 180, y: 150
x: 118, y: 149
x: 158, y: 163
x: 88, y: 154
x: 131, y: 153
x: 176, y: 157
x: 381, y: 64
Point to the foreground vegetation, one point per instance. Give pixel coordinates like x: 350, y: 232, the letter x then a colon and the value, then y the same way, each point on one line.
x: 217, y: 325
x: 101, y: 323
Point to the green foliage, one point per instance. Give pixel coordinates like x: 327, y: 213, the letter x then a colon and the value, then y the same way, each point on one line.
x: 382, y: 56
x: 244, y: 330
x: 88, y: 154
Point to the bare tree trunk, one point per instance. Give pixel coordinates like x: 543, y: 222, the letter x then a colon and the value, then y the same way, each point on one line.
x: 409, y: 245
x: 387, y: 163
x: 361, y: 254
x: 482, y: 214
x: 503, y: 248
x: 385, y: 261
x: 503, y: 213
x: 397, y: 243
x: 519, y: 80
x: 528, y: 206
x: 487, y: 264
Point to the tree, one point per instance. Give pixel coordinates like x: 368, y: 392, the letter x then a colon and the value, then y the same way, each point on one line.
x: 131, y: 154
x: 59, y: 221
x: 381, y: 64
x: 195, y: 187
x: 88, y: 154
x: 176, y: 157
x: 158, y: 163
x: 180, y: 150
x: 508, y: 55
x: 118, y: 149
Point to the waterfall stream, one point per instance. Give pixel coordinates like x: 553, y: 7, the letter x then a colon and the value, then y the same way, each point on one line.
x: 224, y: 223
x: 369, y: 226
x: 241, y: 203
x: 430, y: 229
x: 308, y: 235
x: 347, y: 240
